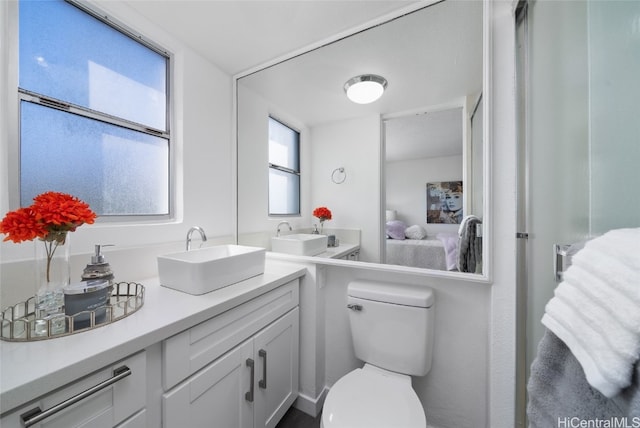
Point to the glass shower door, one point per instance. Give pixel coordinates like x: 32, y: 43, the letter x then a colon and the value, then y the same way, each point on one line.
x: 614, y: 113
x: 579, y: 144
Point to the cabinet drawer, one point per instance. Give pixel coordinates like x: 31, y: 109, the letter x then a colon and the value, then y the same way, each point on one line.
x: 189, y: 351
x: 106, y: 407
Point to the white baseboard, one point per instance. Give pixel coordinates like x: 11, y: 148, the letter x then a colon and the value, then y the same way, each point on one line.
x: 309, y: 405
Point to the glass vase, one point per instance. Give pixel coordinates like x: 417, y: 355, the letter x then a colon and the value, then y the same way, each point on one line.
x: 52, y: 275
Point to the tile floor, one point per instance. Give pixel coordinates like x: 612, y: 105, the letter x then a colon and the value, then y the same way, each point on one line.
x: 294, y: 418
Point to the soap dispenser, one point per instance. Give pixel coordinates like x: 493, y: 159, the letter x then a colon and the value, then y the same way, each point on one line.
x: 98, y: 269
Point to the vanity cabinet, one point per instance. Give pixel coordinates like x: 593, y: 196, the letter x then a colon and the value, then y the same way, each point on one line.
x: 238, y: 369
x: 353, y: 255
x: 112, y: 397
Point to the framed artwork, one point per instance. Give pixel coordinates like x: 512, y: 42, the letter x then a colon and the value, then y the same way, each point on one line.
x: 444, y: 202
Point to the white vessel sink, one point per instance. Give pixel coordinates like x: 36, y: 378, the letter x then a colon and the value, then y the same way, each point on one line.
x: 207, y: 269
x: 300, y: 244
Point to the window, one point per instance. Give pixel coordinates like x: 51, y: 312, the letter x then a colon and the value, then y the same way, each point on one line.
x: 94, y: 116
x: 284, y: 169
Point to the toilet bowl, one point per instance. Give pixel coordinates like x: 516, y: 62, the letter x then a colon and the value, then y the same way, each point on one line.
x: 373, y: 398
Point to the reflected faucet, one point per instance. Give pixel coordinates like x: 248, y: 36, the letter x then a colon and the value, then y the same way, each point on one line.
x: 190, y: 232
x: 280, y: 224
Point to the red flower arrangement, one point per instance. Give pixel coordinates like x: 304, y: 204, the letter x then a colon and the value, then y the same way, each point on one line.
x: 323, y: 213
x: 51, y: 216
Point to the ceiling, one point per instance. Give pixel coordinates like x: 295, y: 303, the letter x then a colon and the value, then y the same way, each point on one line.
x: 426, y: 135
x: 242, y: 35
x: 431, y: 58
x: 238, y: 35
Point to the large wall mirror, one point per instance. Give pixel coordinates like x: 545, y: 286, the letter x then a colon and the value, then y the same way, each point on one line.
x: 413, y: 160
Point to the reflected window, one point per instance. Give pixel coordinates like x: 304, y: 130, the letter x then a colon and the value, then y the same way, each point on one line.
x: 94, y: 116
x: 284, y: 169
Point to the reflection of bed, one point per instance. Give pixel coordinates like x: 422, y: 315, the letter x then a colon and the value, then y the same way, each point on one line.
x: 422, y: 253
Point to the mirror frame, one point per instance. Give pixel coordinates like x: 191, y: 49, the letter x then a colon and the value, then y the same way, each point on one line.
x: 486, y: 277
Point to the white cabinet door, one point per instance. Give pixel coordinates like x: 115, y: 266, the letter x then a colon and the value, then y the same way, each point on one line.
x: 191, y: 350
x: 139, y: 420
x: 276, y: 360
x: 215, y: 396
x: 252, y: 385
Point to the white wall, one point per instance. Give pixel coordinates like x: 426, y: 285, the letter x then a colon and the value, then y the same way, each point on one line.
x: 5, y: 44
x: 453, y: 393
x: 353, y: 144
x: 254, y: 223
x: 500, y: 138
x: 406, y: 188
x: 201, y: 131
x: 476, y: 161
x: 355, y: 204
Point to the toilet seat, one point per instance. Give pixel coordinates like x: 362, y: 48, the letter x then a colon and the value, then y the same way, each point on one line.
x: 372, y: 397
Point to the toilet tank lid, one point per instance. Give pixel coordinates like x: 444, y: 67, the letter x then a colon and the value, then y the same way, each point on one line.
x: 386, y: 292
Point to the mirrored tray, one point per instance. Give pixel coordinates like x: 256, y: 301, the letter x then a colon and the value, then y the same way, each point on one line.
x: 19, y: 322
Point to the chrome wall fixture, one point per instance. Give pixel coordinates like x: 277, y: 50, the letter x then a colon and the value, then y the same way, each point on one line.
x: 338, y: 175
x: 562, y: 257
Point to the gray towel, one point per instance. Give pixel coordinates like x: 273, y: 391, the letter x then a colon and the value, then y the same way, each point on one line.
x: 558, y: 391
x: 469, y: 245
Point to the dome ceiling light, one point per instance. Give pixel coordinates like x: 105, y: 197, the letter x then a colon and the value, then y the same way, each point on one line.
x: 365, y: 89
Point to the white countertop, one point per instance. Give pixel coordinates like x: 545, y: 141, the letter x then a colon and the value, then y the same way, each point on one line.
x: 31, y: 369
x: 339, y: 251
x: 330, y: 253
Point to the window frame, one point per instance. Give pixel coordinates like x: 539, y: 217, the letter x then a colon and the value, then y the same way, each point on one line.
x: 286, y: 170
x: 24, y: 95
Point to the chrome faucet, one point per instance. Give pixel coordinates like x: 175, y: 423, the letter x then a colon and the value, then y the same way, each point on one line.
x: 280, y: 224
x: 190, y: 232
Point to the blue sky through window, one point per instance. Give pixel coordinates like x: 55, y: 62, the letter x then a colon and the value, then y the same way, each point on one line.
x: 115, y: 170
x: 69, y: 55
x: 118, y: 168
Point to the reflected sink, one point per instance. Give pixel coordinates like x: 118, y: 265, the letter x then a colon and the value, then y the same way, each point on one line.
x: 207, y: 269
x: 299, y: 244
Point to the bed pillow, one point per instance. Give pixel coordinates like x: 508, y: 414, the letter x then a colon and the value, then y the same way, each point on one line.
x: 415, y: 232
x: 395, y: 229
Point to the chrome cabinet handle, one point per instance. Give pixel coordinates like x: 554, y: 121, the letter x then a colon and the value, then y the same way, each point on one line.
x: 249, y: 395
x: 263, y: 383
x: 36, y: 415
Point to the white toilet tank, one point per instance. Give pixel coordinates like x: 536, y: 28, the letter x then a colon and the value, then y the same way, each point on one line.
x: 392, y: 325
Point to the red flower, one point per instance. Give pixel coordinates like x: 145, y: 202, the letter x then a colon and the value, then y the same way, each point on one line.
x: 62, y: 212
x: 50, y: 212
x: 51, y: 216
x: 21, y: 225
x: 323, y: 213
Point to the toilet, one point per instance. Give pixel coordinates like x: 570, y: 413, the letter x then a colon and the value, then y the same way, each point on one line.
x: 392, y: 332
